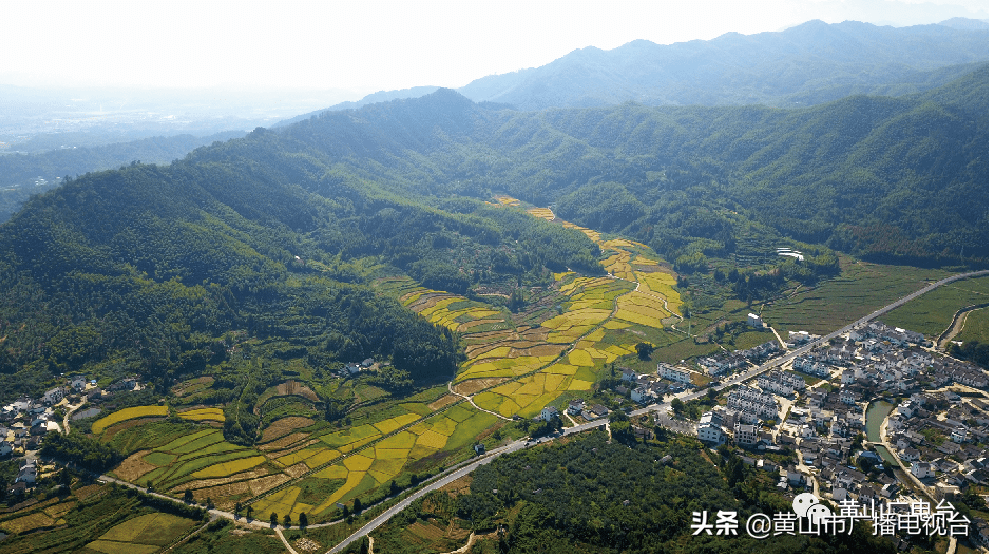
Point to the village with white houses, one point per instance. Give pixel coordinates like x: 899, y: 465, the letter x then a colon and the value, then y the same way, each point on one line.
x: 832, y: 420
x: 25, y: 422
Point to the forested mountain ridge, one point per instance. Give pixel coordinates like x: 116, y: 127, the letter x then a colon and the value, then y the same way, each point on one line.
x: 807, y: 64
x: 19, y: 171
x: 143, y: 269
x: 897, y: 179
x: 149, y: 269
x: 377, y: 97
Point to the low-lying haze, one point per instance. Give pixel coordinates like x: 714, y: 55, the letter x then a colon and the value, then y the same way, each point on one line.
x: 349, y: 48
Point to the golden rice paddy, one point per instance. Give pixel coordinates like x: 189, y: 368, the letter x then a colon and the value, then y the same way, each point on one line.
x: 511, y: 369
x: 203, y: 414
x: 128, y: 413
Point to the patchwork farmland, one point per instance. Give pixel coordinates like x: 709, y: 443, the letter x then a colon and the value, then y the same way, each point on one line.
x: 516, y: 363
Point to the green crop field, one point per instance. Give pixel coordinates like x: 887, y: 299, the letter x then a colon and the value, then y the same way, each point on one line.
x: 976, y: 327
x: 90, y: 513
x: 155, y: 434
x: 186, y: 467
x: 160, y: 459
x: 214, y: 437
x: 185, y: 439
x: 931, y: 313
x: 860, y: 289
x: 150, y: 529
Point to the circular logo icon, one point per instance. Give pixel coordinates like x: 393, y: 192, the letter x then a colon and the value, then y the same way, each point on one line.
x: 818, y: 514
x: 803, y: 502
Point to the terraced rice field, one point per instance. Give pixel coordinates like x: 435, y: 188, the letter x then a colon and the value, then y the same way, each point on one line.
x: 203, y: 414
x: 515, y: 365
x: 452, y: 311
x: 125, y: 414
x: 636, y: 295
x: 565, y: 351
x: 185, y: 462
x: 147, y: 533
x: 370, y: 466
x: 505, y: 200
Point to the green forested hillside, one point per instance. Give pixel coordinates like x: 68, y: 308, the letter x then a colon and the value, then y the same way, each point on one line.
x: 145, y: 268
x: 893, y: 179
x: 595, y: 495
x: 18, y: 171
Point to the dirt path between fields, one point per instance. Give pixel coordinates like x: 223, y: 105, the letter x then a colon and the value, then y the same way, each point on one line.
x: 470, y: 542
x: 957, y: 324
x: 470, y: 399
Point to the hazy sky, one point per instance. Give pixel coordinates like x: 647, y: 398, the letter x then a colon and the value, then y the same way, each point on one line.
x: 369, y: 45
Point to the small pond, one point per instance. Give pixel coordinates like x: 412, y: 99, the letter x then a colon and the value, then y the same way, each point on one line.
x: 874, y: 417
x: 83, y: 414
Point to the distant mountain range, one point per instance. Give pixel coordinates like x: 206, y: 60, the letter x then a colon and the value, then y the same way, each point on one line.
x: 282, y: 231
x: 965, y: 23
x: 898, y: 179
x: 804, y: 65
x: 808, y: 64
x: 383, y: 96
x: 903, y: 175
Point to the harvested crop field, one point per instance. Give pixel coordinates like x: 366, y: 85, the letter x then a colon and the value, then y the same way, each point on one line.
x: 426, y: 531
x: 83, y: 493
x: 443, y: 402
x: 468, y: 388
x: 265, y: 484
x: 297, y: 470
x: 540, y: 351
x: 134, y: 467
x: 284, y: 442
x: 294, y: 388
x: 219, y: 492
x: 59, y: 510
x: 27, y: 523
x: 203, y: 483
x: 281, y: 427
x: 294, y: 448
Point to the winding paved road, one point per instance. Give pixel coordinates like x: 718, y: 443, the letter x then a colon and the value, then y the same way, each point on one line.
x: 465, y: 470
